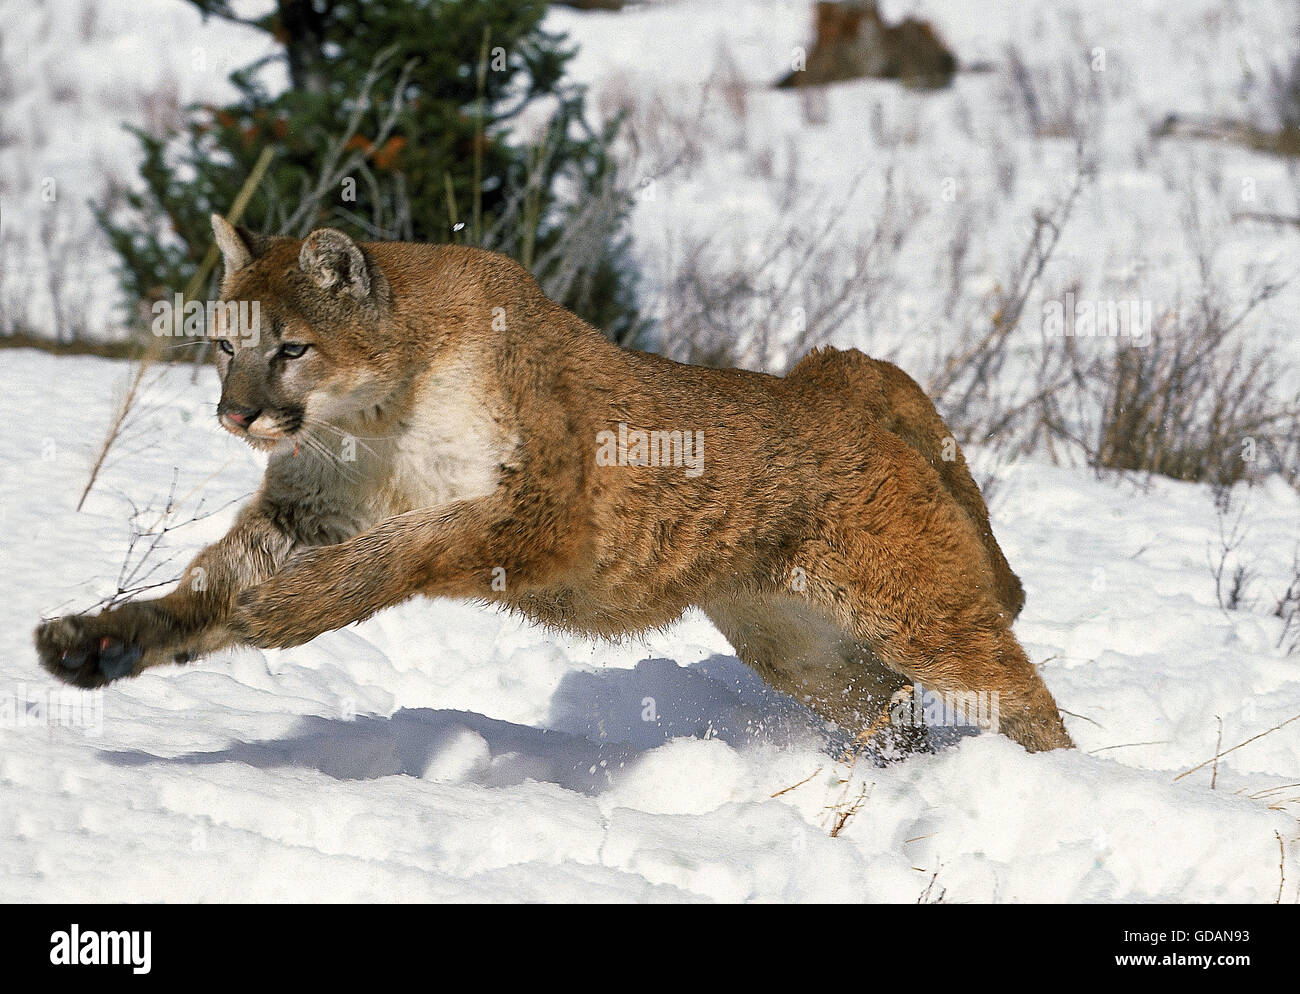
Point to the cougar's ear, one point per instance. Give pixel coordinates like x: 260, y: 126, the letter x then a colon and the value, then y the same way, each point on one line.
x: 333, y: 261
x: 239, y: 246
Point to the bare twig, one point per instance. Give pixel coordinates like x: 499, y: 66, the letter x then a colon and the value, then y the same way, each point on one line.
x: 337, y: 165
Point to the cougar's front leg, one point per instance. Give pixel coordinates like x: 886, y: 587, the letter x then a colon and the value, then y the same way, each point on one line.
x: 455, y: 550
x: 91, y: 650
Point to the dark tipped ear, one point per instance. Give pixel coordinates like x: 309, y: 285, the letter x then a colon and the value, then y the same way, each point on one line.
x: 333, y: 261
x: 239, y: 246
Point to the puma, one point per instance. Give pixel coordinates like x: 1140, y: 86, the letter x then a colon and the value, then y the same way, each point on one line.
x: 500, y: 449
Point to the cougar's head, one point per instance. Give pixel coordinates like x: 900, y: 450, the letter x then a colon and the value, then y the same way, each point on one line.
x: 301, y: 334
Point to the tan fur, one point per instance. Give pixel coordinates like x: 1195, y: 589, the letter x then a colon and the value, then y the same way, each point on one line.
x: 826, y: 534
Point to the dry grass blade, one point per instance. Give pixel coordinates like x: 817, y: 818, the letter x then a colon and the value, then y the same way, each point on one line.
x: 1281, y: 865
x: 860, y: 741
x: 1219, y: 755
x: 120, y: 417
x: 843, y: 814
x: 794, y: 786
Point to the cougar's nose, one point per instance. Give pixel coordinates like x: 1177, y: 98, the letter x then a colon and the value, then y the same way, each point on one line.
x: 240, y: 417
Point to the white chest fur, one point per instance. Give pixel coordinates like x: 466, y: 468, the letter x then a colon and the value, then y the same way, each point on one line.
x: 452, y: 446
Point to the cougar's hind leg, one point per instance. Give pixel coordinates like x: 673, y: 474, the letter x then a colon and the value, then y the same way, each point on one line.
x: 958, y: 647
x: 902, y: 570
x: 799, y: 649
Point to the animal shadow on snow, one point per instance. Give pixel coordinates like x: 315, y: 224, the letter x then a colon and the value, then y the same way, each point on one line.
x: 600, y: 722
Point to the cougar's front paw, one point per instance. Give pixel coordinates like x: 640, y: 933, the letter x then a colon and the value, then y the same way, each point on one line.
x: 85, y: 652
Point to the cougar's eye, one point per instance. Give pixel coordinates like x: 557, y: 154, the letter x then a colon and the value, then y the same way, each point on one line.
x: 225, y: 346
x: 293, y: 350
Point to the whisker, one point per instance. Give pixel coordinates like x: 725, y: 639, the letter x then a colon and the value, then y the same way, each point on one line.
x: 319, y: 447
x: 341, y: 434
x: 339, y: 431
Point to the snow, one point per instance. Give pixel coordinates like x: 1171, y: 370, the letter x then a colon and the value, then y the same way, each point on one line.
x: 443, y: 751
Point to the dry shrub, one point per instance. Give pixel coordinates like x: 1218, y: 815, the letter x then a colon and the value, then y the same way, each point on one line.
x: 727, y: 309
x: 1190, y: 399
x: 1194, y: 405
